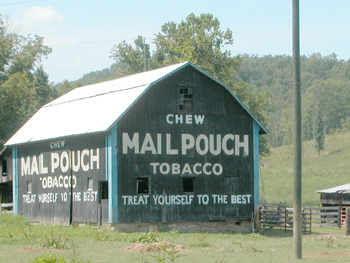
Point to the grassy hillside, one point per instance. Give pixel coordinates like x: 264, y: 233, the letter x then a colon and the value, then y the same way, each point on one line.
x: 330, y: 169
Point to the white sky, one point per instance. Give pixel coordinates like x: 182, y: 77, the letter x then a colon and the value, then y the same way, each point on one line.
x: 83, y: 32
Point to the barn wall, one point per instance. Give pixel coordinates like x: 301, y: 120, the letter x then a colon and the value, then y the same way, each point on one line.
x: 151, y: 138
x: 340, y: 198
x: 47, y: 180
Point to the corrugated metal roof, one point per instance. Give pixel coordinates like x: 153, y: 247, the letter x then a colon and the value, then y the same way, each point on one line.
x: 93, y: 108
x: 345, y: 188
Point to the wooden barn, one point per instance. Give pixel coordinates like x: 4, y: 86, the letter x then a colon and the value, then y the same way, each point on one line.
x: 172, y: 145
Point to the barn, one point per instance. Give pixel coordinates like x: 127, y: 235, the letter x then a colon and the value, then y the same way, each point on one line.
x: 168, y: 146
x: 335, y: 196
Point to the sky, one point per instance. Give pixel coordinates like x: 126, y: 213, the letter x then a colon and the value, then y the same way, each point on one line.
x: 82, y: 33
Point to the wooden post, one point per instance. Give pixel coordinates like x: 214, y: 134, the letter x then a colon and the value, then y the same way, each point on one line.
x: 347, y: 221
x: 297, y: 217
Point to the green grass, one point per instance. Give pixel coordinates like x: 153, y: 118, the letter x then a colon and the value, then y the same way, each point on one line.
x: 29, y: 243
x: 330, y: 169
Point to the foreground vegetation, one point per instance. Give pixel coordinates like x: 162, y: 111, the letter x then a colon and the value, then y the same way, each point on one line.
x: 21, y: 241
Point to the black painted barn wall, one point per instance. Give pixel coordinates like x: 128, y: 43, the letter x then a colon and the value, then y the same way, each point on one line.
x: 223, y: 115
x: 50, y: 199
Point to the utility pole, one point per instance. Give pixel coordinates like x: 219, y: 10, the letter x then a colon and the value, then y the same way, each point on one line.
x: 297, y: 218
x: 145, y: 57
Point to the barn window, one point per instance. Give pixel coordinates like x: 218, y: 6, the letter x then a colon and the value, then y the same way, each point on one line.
x: 104, y: 190
x: 142, y: 185
x: 4, y: 167
x: 90, y: 183
x: 186, y: 99
x: 29, y: 187
x: 187, y: 184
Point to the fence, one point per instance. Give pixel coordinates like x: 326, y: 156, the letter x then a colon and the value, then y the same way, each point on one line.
x: 278, y: 216
x: 324, y: 216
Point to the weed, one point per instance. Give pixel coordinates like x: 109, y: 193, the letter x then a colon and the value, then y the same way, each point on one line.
x: 102, y: 236
x: 10, y: 234
x: 200, y: 244
x: 49, y: 258
x: 56, y: 242
x: 160, y: 255
x: 254, y: 249
x: 236, y: 242
x: 28, y: 234
x: 55, y: 258
x: 142, y: 258
x: 330, y: 242
x: 74, y: 255
x: 202, y: 237
x: 170, y: 248
x: 149, y: 237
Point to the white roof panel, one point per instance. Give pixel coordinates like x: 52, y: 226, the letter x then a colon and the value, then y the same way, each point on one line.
x: 337, y: 189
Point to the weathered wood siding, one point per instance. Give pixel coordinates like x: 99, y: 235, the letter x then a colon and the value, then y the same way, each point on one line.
x: 335, y: 199
x: 45, y: 173
x: 159, y: 146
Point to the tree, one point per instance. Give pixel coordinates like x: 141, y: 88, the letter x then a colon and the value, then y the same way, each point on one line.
x: 18, y: 101
x: 23, y: 83
x: 133, y: 57
x: 319, y: 134
x: 44, y: 92
x: 199, y: 40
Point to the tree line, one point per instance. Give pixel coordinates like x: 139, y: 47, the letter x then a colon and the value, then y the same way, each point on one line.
x: 263, y: 84
x: 325, y: 88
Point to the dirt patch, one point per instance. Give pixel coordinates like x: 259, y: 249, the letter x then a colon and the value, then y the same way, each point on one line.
x: 155, y: 247
x: 328, y: 237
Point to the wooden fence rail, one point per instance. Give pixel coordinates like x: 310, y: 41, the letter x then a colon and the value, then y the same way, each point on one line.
x: 278, y: 216
x: 325, y: 216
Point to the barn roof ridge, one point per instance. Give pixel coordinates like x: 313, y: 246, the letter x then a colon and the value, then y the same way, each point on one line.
x: 96, y: 95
